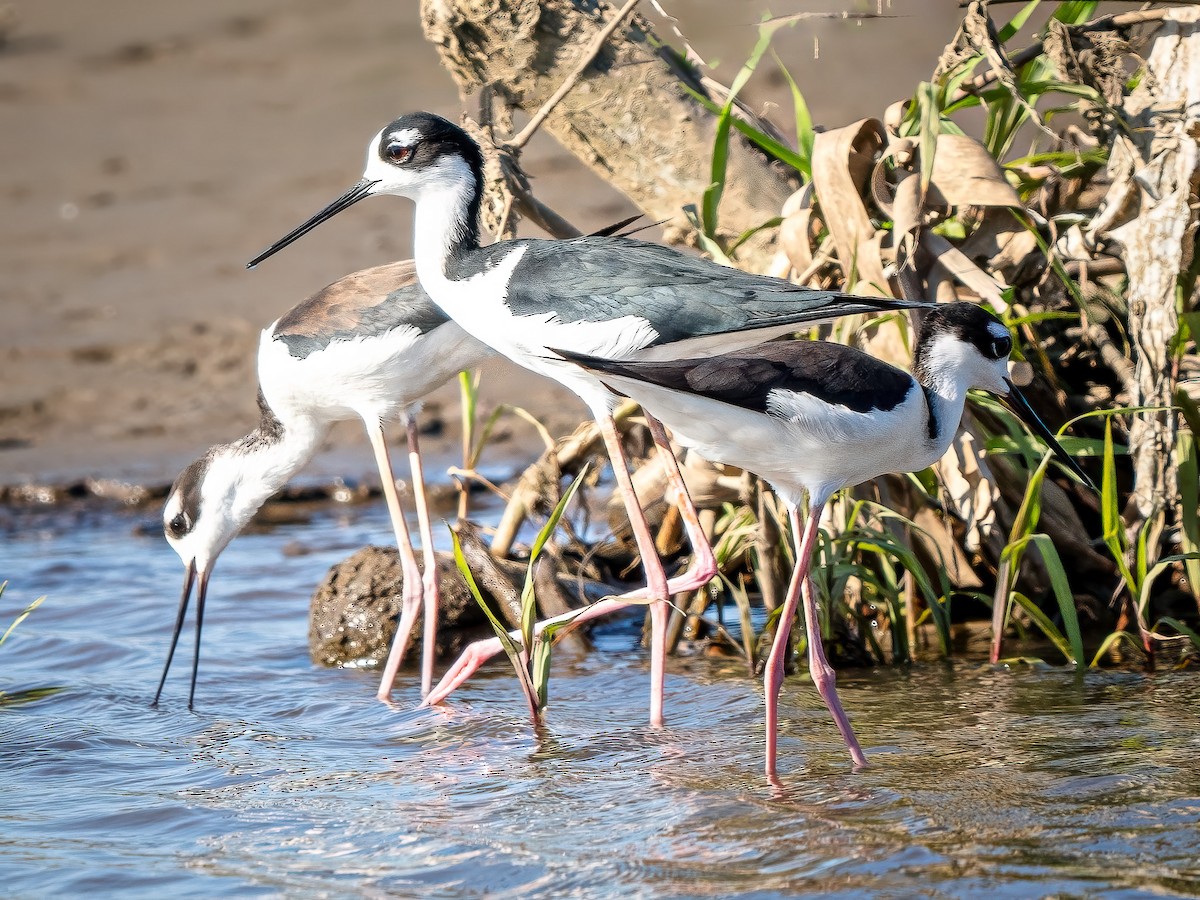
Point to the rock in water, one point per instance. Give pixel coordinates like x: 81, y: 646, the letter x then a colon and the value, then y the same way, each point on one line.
x: 353, y: 613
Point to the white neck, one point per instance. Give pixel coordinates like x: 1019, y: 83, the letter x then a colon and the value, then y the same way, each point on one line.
x: 266, y: 462
x: 945, y: 371
x: 442, y: 227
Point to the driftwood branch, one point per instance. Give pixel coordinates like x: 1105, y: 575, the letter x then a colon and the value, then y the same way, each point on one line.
x: 569, y: 82
x: 1156, y: 171
x: 629, y: 117
x: 1034, y: 50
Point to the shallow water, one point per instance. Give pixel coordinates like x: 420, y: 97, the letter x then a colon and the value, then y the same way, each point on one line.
x: 291, y: 779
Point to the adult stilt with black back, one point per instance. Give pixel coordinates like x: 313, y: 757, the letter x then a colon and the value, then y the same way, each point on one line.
x: 368, y: 347
x: 810, y: 418
x: 609, y: 297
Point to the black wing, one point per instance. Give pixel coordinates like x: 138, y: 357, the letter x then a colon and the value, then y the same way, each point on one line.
x: 833, y: 373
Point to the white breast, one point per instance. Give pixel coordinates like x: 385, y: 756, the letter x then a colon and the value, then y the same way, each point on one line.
x: 379, y: 375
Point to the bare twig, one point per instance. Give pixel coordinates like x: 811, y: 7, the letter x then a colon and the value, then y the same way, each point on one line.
x: 569, y: 82
x: 1021, y: 57
x: 567, y: 455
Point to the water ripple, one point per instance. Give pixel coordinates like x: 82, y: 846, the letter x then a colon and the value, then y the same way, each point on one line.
x: 292, y: 780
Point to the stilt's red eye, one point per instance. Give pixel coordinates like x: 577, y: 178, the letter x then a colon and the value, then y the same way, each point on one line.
x: 397, y: 153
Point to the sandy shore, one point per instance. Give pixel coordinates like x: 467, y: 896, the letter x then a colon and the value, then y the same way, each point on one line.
x: 151, y: 148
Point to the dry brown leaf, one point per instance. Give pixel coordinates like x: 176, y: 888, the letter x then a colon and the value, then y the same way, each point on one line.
x: 906, y: 219
x: 801, y: 199
x: 842, y: 163
x: 795, y: 235
x: 954, y: 261
x: 1005, y: 248
x: 968, y: 482
x: 939, y: 543
x: 965, y: 174
x: 796, y: 232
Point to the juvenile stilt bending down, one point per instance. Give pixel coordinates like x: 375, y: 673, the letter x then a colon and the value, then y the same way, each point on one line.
x: 609, y: 297
x: 368, y: 346
x: 810, y: 418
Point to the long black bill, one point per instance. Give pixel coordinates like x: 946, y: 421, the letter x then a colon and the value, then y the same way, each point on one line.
x: 201, y: 592
x: 348, y: 199
x: 188, y: 577
x: 1021, y: 407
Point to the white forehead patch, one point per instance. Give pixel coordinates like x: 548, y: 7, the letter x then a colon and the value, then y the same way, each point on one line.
x: 406, y: 137
x: 996, y: 330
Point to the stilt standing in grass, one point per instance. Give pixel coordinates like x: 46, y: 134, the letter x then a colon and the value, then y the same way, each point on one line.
x: 811, y: 417
x: 609, y: 297
x: 368, y: 346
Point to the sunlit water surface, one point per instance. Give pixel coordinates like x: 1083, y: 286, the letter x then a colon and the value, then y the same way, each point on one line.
x: 290, y: 779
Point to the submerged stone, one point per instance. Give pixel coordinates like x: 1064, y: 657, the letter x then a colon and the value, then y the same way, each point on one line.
x: 353, y: 614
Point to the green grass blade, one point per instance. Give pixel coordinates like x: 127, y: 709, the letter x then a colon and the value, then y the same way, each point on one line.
x: 540, y: 666
x: 1017, y: 22
x: 805, y: 133
x: 1111, y: 523
x: 1111, y: 640
x: 1075, y: 12
x: 887, y: 549
x: 21, y: 617
x: 511, y: 649
x: 930, y: 127
x: 773, y: 222
x: 716, y: 188
x: 1161, y: 566
x: 528, y: 597
x: 764, y: 142
x: 720, y: 157
x: 1189, y: 493
x: 1042, y: 621
x: 1030, y: 510
x: 1062, y: 593
x: 707, y: 244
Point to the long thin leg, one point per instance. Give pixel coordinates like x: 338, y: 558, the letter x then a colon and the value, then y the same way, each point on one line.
x: 773, y: 674
x: 657, y: 587
x: 704, y: 563
x: 479, y: 652
x: 822, y: 673
x: 825, y: 678
x: 430, y: 580
x: 410, y: 598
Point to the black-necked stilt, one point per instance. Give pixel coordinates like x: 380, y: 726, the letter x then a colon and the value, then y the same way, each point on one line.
x: 810, y: 418
x: 368, y: 346
x: 610, y: 297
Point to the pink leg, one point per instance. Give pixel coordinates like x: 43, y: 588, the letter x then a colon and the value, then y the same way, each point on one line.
x: 773, y: 676
x: 476, y: 654
x: 657, y: 588
x: 822, y: 673
x: 430, y: 581
x: 704, y: 564
x: 411, y: 597
x: 825, y: 678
